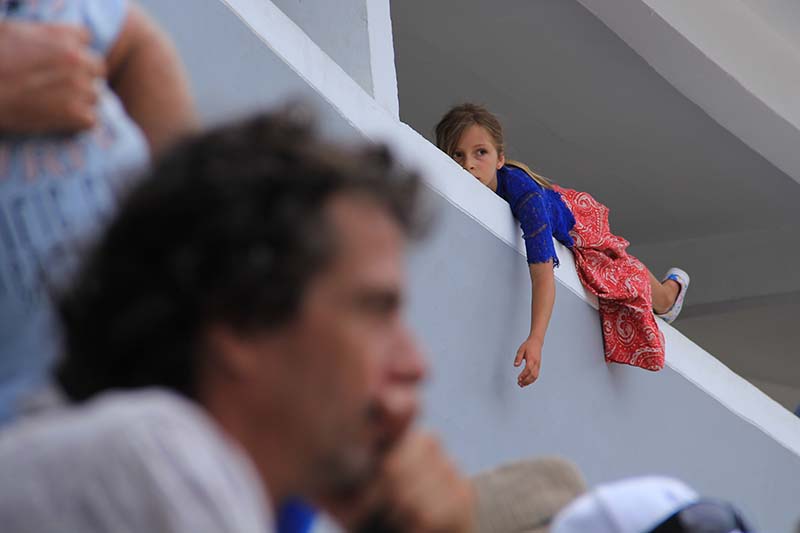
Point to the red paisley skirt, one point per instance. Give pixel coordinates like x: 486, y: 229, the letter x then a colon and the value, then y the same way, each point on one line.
x: 621, y: 283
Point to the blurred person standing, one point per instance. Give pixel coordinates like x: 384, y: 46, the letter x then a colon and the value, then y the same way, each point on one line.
x: 237, y: 339
x: 87, y: 89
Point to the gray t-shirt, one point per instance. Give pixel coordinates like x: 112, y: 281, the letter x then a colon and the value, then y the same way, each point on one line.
x: 128, y: 462
x: 55, y: 193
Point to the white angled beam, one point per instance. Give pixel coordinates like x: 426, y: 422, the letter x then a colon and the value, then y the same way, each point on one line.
x: 381, y: 49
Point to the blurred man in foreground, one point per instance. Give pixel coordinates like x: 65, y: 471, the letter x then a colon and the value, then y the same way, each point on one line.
x: 246, y: 308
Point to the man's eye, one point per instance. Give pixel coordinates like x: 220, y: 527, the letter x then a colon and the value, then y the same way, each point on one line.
x: 383, y: 305
x: 381, y: 311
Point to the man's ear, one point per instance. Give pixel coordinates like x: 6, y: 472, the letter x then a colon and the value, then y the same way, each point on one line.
x: 235, y: 354
x: 501, y: 160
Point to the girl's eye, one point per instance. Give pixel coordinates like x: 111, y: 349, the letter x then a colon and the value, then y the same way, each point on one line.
x: 483, y: 151
x: 457, y: 155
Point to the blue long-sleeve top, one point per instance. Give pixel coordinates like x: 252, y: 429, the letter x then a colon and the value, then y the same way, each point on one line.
x: 541, y: 212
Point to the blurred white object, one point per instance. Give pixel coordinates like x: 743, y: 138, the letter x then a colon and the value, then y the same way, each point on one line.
x: 128, y: 462
x: 633, y: 505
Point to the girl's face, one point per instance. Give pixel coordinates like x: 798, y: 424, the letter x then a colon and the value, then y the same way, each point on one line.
x: 476, y: 152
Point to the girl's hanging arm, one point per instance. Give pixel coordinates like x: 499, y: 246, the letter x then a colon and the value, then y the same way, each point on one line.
x: 543, y: 293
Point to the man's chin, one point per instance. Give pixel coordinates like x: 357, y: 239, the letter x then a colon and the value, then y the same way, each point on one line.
x: 355, y: 468
x: 349, y: 473
x: 389, y: 430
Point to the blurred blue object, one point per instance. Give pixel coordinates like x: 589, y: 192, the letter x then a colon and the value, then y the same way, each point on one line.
x: 295, y: 516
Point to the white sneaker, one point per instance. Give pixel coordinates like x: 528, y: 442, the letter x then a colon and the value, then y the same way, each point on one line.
x: 682, y: 279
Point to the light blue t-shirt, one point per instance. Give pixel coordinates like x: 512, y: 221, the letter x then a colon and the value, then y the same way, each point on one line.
x: 55, y: 193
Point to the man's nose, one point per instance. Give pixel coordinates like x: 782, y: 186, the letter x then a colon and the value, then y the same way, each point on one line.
x: 408, y: 364
x: 405, y: 369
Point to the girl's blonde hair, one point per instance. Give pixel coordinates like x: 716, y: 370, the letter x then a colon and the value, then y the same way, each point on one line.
x: 459, y: 118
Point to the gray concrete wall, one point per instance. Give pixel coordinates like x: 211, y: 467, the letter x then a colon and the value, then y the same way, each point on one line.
x: 782, y: 15
x: 231, y: 70
x: 340, y: 28
x: 470, y: 304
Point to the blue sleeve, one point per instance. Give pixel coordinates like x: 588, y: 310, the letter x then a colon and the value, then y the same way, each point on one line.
x: 104, y: 19
x: 295, y: 516
x: 530, y: 207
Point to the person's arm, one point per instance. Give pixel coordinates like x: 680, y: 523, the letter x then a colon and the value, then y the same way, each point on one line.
x: 146, y: 73
x: 528, y: 203
x: 47, y: 78
x: 543, y: 295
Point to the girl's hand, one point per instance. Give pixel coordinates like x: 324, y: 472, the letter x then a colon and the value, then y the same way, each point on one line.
x: 531, y: 353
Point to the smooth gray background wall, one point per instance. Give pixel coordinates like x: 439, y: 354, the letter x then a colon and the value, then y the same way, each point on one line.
x: 470, y: 304
x: 782, y: 15
x: 232, y: 72
x: 340, y: 29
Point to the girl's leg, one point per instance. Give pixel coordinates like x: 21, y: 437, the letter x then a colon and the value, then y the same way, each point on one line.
x: 664, y: 294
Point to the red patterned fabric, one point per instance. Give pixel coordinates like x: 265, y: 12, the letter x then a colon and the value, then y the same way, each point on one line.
x: 621, y: 283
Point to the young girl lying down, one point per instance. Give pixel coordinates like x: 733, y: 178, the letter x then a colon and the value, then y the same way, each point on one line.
x: 628, y: 293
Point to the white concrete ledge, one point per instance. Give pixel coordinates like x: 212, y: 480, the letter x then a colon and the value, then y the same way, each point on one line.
x: 381, y: 48
x: 446, y: 178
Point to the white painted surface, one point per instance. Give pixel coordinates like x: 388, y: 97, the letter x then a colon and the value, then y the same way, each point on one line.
x: 787, y: 396
x: 470, y: 305
x: 696, y: 419
x: 711, y: 376
x: 381, y: 45
x: 751, y: 334
x: 731, y: 63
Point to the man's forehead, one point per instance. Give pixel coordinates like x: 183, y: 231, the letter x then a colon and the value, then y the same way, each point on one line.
x: 360, y: 216
x: 368, y: 253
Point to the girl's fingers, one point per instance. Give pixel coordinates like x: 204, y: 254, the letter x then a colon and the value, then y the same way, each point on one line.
x: 520, y: 356
x: 528, y: 376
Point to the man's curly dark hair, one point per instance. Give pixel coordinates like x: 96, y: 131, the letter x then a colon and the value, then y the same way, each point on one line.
x: 228, y: 227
